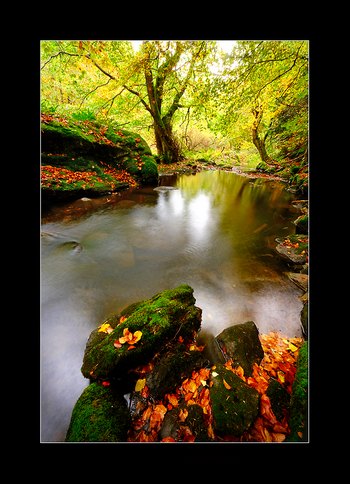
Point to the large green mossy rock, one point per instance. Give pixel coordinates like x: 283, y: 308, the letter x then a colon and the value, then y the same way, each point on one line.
x: 235, y: 405
x: 99, y: 415
x: 88, y: 146
x: 241, y: 343
x: 298, y: 421
x: 161, y: 319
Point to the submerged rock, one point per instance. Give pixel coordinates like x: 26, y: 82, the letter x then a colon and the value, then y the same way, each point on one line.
x: 70, y: 245
x: 164, y: 188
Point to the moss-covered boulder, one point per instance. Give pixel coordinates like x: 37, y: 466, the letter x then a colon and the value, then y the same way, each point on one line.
x: 241, y: 343
x: 235, y: 405
x: 302, y: 224
x: 298, y: 421
x: 141, y: 330
x: 96, y: 150
x: 100, y: 415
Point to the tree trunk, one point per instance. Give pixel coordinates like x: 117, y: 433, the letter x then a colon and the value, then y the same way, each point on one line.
x: 259, y: 143
x: 167, y: 146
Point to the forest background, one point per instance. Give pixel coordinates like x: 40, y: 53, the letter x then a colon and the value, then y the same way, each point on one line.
x: 245, y: 105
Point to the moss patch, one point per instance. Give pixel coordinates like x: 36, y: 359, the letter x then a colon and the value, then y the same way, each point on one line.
x: 99, y: 415
x: 299, y: 400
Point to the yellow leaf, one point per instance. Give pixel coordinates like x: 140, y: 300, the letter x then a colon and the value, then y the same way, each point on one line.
x: 227, y: 386
x: 140, y: 384
x: 280, y: 376
x: 292, y: 347
x: 137, y: 336
x: 183, y: 415
x: 105, y: 328
x: 214, y: 374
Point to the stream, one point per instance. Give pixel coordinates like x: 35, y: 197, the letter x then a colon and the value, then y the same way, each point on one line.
x: 213, y: 230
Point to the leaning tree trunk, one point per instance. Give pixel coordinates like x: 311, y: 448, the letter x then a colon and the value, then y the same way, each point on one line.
x: 259, y: 143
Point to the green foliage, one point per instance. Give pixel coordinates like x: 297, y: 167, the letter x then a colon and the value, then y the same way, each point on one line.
x: 84, y: 115
x: 106, y: 81
x: 46, y: 106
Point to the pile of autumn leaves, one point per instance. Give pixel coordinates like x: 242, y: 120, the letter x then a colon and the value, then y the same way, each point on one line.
x: 279, y: 362
x: 58, y: 177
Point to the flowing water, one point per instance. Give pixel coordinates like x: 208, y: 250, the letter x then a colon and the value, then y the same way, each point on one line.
x: 213, y: 230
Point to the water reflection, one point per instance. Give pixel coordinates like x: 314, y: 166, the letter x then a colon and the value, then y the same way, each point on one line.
x: 214, y: 231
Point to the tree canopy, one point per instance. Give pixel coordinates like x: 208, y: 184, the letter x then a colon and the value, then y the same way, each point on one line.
x: 250, y: 104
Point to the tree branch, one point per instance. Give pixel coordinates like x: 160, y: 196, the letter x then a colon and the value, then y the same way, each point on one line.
x: 60, y: 53
x: 141, y: 99
x: 88, y: 94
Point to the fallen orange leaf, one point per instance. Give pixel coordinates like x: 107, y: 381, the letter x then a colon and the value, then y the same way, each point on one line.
x: 168, y: 439
x: 227, y: 386
x: 172, y: 398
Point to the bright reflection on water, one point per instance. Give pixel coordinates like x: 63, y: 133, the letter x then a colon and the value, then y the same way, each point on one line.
x: 214, y: 231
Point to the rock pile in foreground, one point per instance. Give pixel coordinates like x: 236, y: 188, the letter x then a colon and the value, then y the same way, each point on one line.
x: 151, y: 382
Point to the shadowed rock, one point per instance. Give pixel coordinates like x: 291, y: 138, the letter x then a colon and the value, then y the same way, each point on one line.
x: 241, y: 343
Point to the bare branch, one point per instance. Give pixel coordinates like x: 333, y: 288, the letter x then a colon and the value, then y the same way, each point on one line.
x: 111, y: 101
x: 60, y: 53
x: 88, y: 94
x: 140, y: 97
x: 101, y: 68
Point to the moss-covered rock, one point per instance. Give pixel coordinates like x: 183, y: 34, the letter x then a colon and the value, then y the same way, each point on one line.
x: 235, y: 405
x: 142, y: 166
x: 241, y: 343
x: 86, y: 146
x: 293, y: 249
x: 160, y: 319
x: 302, y: 224
x: 100, y: 415
x: 298, y: 421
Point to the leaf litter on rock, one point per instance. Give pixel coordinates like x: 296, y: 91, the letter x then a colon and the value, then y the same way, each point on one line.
x: 279, y: 362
